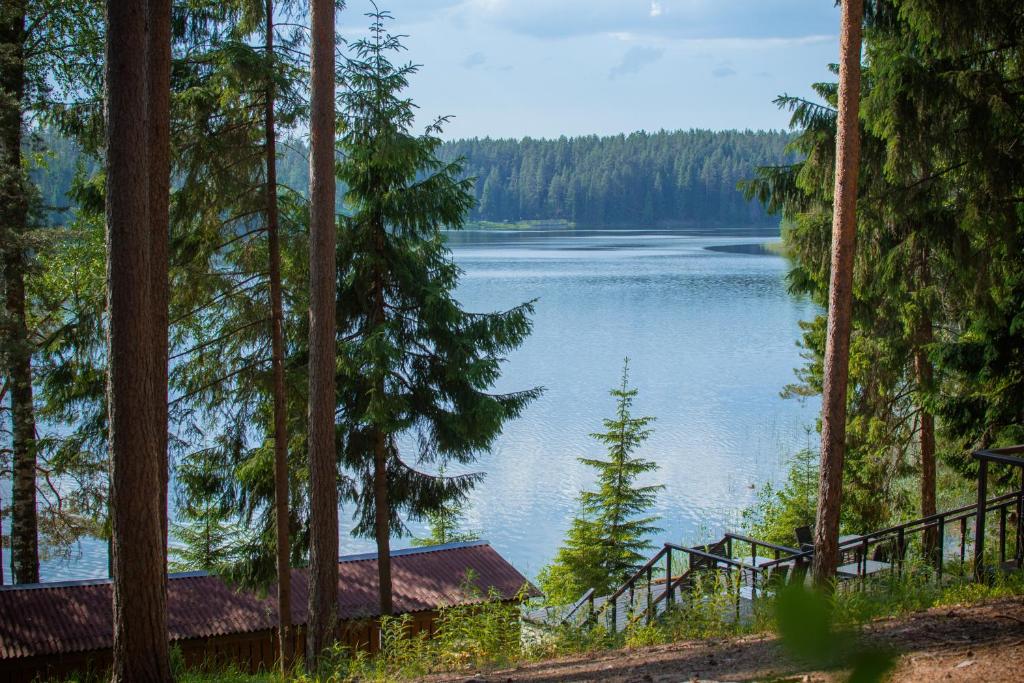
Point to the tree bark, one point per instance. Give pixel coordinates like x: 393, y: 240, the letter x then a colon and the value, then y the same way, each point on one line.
x: 837, y: 344
x: 924, y: 374
x: 284, y: 592
x: 140, y: 596
x: 1, y: 544
x: 159, y: 152
x: 381, y: 504
x: 382, y: 526
x: 323, y: 547
x: 24, y: 518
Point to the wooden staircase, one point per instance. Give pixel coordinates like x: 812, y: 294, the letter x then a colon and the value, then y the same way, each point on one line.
x: 672, y: 574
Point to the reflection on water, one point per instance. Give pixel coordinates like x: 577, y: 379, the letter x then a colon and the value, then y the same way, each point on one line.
x: 711, y: 335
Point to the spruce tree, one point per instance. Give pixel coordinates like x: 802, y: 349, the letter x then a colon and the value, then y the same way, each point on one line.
x: 412, y: 362
x: 610, y: 538
x: 446, y: 525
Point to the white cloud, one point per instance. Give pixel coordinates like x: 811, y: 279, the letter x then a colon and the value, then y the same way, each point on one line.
x: 676, y: 19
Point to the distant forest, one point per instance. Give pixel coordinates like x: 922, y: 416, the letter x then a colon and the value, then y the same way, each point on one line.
x: 667, y: 178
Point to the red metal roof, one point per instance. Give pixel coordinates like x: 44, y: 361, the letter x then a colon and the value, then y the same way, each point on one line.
x: 77, y: 616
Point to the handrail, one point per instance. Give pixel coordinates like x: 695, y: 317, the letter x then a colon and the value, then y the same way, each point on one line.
x: 711, y: 556
x: 762, y: 544
x: 964, y: 512
x: 1010, y: 455
x: 630, y: 583
x: 913, y: 526
x: 584, y: 599
x: 636, y: 575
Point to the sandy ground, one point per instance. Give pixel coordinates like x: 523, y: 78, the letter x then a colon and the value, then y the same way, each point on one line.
x: 977, y: 643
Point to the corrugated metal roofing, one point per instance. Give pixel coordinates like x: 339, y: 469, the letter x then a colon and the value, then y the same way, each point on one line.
x: 77, y: 616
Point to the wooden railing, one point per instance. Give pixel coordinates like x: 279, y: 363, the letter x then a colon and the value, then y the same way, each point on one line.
x: 674, y: 566
x: 586, y: 599
x: 776, y: 551
x: 898, y: 537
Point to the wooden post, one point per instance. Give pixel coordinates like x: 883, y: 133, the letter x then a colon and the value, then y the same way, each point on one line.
x: 979, y: 520
x: 650, y: 607
x: 668, y: 575
x: 1020, y: 523
x: 1002, y: 533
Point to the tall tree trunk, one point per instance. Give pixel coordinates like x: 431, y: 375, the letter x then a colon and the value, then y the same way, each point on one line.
x: 381, y: 504
x: 381, y: 521
x: 284, y: 589
x: 924, y: 373
x: 159, y: 151
x: 24, y: 520
x: 140, y: 595
x: 323, y: 475
x: 840, y: 302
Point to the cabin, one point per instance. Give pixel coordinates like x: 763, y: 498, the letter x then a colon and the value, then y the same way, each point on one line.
x: 57, y: 629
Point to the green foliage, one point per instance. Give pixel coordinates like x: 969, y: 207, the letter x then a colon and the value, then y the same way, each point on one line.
x: 708, y: 610
x: 778, y: 512
x: 671, y: 178
x: 220, y: 327
x: 481, y: 635
x: 411, y: 360
x: 609, y: 539
x: 446, y: 525
x: 807, y: 627
x: 939, y: 247
x: 485, y: 634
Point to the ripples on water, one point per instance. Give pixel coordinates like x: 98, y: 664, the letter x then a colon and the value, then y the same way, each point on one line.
x: 712, y: 337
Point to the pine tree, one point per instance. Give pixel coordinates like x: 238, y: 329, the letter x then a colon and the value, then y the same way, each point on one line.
x: 610, y: 538
x: 136, y: 37
x: 412, y: 361
x: 35, y: 39
x: 323, y: 477
x: 837, y: 344
x: 205, y: 526
x: 14, y: 262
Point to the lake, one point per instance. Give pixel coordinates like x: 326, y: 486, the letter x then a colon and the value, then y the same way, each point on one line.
x: 711, y: 334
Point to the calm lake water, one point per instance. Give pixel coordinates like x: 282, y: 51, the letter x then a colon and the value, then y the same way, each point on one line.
x: 711, y: 334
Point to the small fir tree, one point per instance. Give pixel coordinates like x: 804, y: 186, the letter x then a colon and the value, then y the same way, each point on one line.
x: 446, y: 524
x: 610, y: 538
x: 206, y: 541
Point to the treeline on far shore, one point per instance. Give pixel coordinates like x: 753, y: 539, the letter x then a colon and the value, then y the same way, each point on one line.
x: 668, y: 178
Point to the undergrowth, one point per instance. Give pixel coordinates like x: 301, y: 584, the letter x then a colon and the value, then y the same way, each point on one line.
x: 490, y: 634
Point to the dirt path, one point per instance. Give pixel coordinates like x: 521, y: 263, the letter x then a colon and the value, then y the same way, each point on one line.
x: 977, y: 643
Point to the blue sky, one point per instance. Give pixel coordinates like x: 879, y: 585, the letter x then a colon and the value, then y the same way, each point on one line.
x: 543, y: 68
